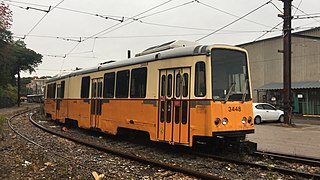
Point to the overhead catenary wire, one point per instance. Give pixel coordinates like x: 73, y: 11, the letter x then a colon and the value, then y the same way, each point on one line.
x: 115, y: 26
x: 50, y: 9
x: 121, y: 18
x: 168, y: 35
x: 307, y: 17
x: 25, y: 3
x: 99, y: 15
x: 137, y: 18
x: 109, y: 17
x: 94, y: 14
x: 77, y: 39
x: 96, y: 34
x: 271, y: 30
x: 228, y: 13
x: 298, y: 9
x: 276, y: 7
x: 236, y: 20
x: 165, y: 10
x: 199, y: 29
x: 274, y: 27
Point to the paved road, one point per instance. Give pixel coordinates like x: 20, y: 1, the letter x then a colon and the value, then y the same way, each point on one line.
x: 303, y: 139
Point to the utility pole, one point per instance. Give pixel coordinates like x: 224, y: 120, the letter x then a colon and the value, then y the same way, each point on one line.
x: 287, y: 98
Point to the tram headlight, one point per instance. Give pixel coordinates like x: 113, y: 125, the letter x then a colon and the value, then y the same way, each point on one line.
x: 244, y: 120
x: 249, y: 119
x: 224, y: 121
x: 217, y: 121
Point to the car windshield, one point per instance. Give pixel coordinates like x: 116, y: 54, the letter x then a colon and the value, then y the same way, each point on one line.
x: 230, y: 79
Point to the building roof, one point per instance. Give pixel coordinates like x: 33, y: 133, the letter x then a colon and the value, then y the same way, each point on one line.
x: 294, y: 85
x: 294, y: 34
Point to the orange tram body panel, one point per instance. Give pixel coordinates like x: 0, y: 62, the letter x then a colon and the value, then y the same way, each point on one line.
x: 174, y: 92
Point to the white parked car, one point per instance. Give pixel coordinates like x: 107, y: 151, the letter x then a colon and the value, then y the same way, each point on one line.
x: 266, y: 112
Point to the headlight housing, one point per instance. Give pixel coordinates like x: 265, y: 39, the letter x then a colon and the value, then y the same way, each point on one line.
x: 224, y: 121
x: 249, y: 119
x: 217, y: 121
x: 244, y: 120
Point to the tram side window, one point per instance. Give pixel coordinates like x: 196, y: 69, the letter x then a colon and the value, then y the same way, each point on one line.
x: 200, y: 79
x: 122, y: 86
x: 169, y: 86
x: 185, y: 85
x: 163, y: 85
x: 48, y: 91
x: 178, y: 81
x: 94, y: 90
x: 62, y: 89
x: 58, y: 90
x: 99, y: 89
x: 51, y: 91
x: 108, y: 90
x: 138, y: 83
x: 85, y: 85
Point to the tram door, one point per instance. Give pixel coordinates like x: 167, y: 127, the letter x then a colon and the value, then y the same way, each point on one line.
x: 96, y: 101
x: 174, y: 95
x: 61, y: 110
x: 58, y: 101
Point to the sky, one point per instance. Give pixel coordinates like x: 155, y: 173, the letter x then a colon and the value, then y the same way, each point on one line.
x: 78, y: 34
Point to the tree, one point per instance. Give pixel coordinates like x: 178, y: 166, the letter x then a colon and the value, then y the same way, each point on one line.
x: 26, y: 60
x: 6, y: 60
x: 14, y: 56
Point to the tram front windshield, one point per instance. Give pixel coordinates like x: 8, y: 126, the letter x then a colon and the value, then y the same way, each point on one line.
x: 230, y: 80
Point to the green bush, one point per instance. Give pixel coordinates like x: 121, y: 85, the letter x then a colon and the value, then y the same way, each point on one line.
x: 8, y: 96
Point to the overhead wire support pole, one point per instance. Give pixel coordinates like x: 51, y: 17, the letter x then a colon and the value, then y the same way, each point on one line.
x: 287, y: 97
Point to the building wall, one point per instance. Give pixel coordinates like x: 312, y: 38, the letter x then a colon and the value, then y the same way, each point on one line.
x: 36, y: 85
x: 266, y: 64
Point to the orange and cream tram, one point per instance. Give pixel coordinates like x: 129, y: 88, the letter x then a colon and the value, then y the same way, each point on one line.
x: 175, y: 92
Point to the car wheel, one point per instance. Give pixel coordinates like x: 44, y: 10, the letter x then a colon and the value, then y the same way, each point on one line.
x: 281, y: 119
x: 257, y: 120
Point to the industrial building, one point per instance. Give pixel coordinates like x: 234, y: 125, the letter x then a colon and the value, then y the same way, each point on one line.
x: 266, y: 66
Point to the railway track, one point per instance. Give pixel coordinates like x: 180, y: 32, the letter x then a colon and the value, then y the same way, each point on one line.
x: 143, y: 160
x: 289, y: 158
x: 187, y: 171
x: 46, y: 149
x: 267, y: 167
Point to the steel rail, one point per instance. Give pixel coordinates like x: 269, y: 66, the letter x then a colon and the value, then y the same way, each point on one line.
x: 290, y: 158
x: 130, y: 156
x: 43, y: 147
x: 261, y: 166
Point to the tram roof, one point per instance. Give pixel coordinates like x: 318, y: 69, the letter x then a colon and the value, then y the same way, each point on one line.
x: 171, y: 53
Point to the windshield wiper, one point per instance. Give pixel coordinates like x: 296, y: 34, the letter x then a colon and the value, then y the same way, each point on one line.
x: 229, y: 92
x: 245, y: 91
